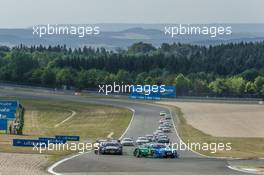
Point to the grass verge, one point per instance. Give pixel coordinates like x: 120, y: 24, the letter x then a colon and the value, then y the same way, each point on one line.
x: 90, y: 122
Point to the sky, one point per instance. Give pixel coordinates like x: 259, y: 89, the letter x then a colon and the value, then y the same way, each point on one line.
x: 26, y: 13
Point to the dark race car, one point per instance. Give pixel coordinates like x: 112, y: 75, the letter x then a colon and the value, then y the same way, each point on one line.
x: 159, y: 136
x: 150, y: 137
x: 110, y: 147
x: 163, y: 140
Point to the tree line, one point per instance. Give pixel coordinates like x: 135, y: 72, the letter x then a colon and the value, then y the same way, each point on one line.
x: 235, y: 69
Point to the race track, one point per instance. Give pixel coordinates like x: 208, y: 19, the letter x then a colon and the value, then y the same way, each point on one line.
x: 145, y: 121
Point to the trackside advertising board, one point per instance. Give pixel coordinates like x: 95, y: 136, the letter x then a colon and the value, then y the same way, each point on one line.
x: 44, y: 141
x: 3, y: 124
x: 170, y: 92
x: 151, y: 96
x: 28, y: 143
x: 152, y: 92
x: 67, y: 138
x: 52, y: 140
x: 8, y: 109
x: 8, y: 104
x: 7, y: 115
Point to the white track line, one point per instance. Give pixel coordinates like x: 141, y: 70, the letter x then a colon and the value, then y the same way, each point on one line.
x: 109, y: 136
x: 132, y: 118
x: 68, y: 118
x: 50, y: 169
x: 177, y: 134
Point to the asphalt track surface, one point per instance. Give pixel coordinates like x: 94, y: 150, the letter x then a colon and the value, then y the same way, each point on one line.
x: 145, y: 121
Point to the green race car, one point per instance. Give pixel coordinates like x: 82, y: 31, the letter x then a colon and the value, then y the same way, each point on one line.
x: 146, y: 150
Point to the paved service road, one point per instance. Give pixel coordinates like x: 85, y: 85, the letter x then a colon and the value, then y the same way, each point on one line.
x: 145, y: 121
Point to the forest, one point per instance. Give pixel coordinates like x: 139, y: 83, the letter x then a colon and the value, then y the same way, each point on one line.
x: 229, y: 70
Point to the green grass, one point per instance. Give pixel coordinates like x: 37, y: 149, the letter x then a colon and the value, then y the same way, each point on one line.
x: 90, y: 122
x: 241, y: 147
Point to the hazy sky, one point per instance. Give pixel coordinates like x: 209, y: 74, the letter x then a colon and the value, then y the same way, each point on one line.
x: 25, y: 13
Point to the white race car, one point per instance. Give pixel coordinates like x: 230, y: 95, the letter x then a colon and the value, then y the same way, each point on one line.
x: 127, y: 142
x: 162, y: 113
x: 142, y: 140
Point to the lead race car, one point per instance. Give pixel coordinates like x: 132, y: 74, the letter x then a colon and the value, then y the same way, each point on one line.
x: 155, y: 150
x: 109, y: 147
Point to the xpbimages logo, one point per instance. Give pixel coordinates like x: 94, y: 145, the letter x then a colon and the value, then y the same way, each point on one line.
x: 124, y: 88
x: 182, y: 29
x: 79, y: 31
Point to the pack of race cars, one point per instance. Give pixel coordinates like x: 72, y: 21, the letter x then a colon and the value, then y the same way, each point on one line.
x: 155, y: 145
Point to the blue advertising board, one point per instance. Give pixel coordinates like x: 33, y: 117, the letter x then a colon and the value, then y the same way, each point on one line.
x: 9, y: 104
x: 152, y: 92
x: 151, y: 96
x: 170, y: 91
x: 3, y: 124
x: 7, y: 115
x: 29, y: 143
x: 146, y: 92
x: 68, y: 138
x: 6, y: 109
x: 52, y: 140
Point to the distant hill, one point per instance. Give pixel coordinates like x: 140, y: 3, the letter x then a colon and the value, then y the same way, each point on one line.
x: 123, y: 35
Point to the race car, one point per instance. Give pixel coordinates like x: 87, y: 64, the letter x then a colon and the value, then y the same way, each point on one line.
x: 162, y: 113
x: 127, y: 142
x: 168, y: 124
x: 167, y: 117
x: 165, y: 128
x: 97, y: 144
x: 157, y: 134
x: 165, y: 152
x: 109, y: 147
x: 163, y: 140
x: 155, y: 150
x: 149, y: 137
x: 158, y: 131
x: 142, y: 140
x: 146, y: 150
x: 164, y: 120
